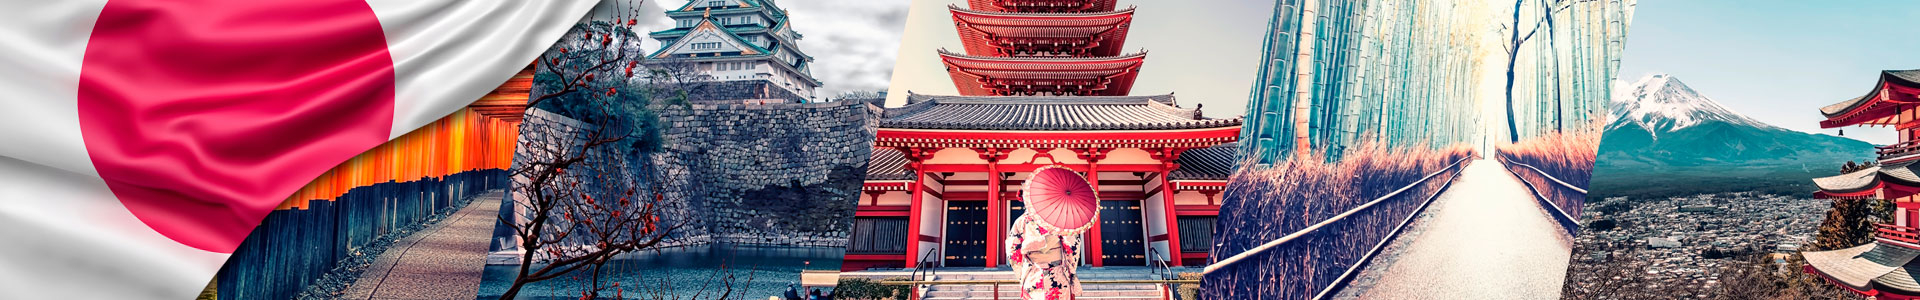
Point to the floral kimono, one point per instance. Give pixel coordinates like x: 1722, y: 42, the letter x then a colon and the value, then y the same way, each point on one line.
x: 1044, y: 259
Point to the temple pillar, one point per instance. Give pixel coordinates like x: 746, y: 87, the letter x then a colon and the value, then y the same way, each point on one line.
x: 1167, y: 158
x: 1093, y: 156
x: 1173, y: 220
x: 996, y: 208
x: 915, y: 189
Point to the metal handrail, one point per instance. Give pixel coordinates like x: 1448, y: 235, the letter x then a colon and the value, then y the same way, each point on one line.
x: 1158, y: 263
x: 921, y: 267
x: 1543, y: 173
x: 1363, y: 261
x: 1571, y: 224
x: 1323, y: 223
x: 1163, y: 270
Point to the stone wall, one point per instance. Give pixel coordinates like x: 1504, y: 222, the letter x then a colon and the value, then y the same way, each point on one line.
x: 737, y: 91
x: 779, y: 174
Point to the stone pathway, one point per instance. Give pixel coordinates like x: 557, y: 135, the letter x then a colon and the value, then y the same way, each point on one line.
x: 1485, y: 238
x: 443, y: 261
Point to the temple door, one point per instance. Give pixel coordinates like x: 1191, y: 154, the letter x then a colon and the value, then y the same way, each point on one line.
x: 966, y: 238
x: 1122, y: 233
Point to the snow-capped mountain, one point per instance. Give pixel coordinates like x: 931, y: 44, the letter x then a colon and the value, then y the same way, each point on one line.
x: 1661, y: 103
x: 1665, y: 137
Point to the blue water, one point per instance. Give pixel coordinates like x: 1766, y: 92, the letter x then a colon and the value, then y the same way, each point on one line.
x: 682, y: 273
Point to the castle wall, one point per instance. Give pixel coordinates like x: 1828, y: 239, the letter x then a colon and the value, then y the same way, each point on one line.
x: 780, y: 174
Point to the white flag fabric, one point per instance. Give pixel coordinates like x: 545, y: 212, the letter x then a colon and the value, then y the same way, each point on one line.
x: 143, y: 139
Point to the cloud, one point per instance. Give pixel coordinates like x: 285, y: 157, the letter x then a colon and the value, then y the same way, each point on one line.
x: 853, y: 42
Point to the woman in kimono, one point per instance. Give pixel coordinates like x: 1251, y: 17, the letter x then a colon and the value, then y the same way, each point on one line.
x: 1044, y: 259
x: 1045, y: 256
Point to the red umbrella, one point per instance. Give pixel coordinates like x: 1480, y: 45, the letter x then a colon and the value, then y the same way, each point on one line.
x: 1061, y: 200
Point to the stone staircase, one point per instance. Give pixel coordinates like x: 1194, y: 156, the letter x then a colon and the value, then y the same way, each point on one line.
x: 1011, y: 291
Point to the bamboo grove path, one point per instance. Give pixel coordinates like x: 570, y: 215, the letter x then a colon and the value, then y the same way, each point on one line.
x: 1486, y: 237
x: 443, y: 261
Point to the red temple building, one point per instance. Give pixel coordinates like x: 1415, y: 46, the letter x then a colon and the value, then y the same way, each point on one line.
x: 1043, y: 83
x: 1886, y: 268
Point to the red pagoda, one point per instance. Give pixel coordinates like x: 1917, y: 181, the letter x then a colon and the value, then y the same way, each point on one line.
x: 1029, y: 48
x: 1042, y: 83
x: 1886, y: 268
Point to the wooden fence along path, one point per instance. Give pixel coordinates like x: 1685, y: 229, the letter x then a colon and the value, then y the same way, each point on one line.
x: 293, y: 247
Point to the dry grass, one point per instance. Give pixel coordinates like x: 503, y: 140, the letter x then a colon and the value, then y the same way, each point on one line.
x: 1265, y: 203
x: 1567, y: 156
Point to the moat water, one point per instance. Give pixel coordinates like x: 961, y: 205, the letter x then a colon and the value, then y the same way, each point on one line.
x: 693, y: 272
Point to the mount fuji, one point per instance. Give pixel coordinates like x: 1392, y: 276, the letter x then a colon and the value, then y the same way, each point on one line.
x: 1666, y: 139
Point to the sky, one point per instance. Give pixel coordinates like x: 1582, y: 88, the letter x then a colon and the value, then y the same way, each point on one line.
x: 852, y: 41
x: 1777, y: 61
x: 1206, y: 55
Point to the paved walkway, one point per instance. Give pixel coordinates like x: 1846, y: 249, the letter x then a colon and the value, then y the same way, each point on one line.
x: 442, y: 262
x: 1484, y: 238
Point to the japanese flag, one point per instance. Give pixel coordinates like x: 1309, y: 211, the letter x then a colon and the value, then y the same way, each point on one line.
x: 140, y: 140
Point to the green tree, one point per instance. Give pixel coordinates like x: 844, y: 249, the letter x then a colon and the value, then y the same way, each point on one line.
x: 1850, y: 223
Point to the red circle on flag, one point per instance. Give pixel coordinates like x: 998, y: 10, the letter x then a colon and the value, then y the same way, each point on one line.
x: 203, y: 115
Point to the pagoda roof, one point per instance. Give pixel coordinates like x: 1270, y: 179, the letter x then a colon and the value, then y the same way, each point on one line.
x: 1041, y: 5
x: 1210, y: 163
x: 1091, y: 76
x: 1900, y: 279
x: 888, y: 164
x: 1871, y: 267
x: 1046, y: 113
x: 1849, y: 183
x: 989, y: 33
x: 1863, y: 182
x: 1896, y: 91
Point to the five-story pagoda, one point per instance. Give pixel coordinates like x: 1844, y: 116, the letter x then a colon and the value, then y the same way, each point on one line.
x: 1041, y: 83
x: 1886, y: 268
